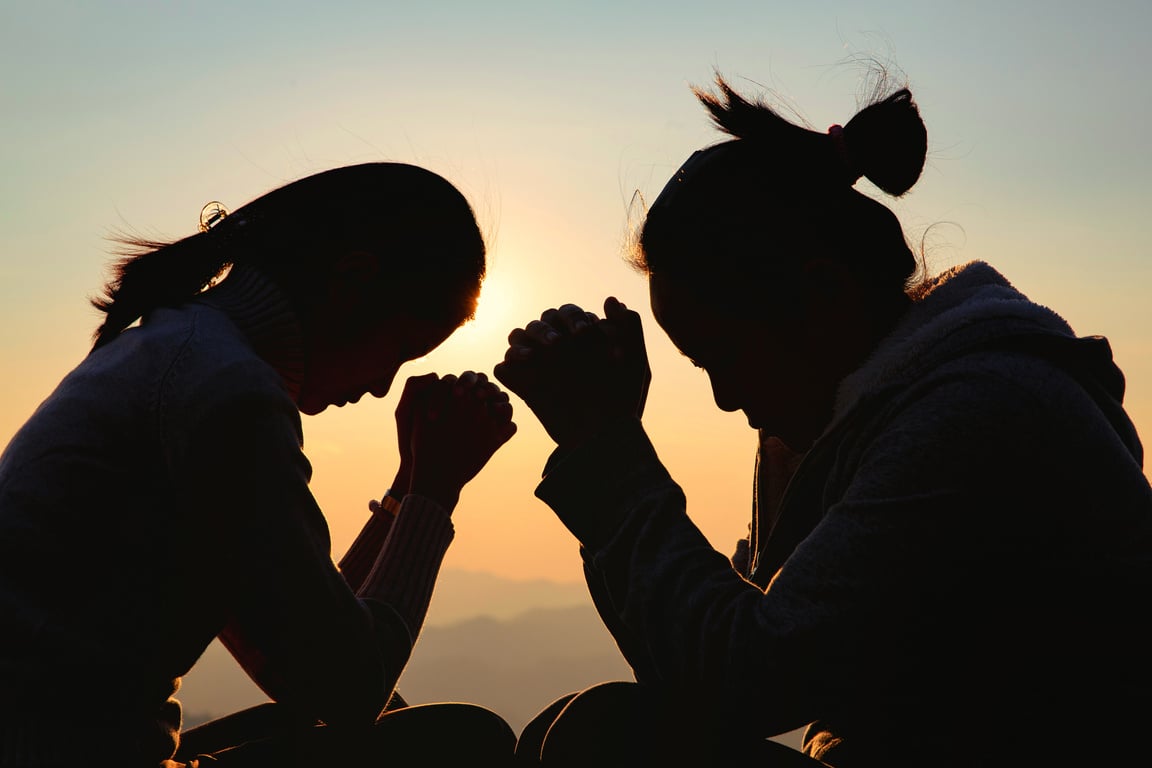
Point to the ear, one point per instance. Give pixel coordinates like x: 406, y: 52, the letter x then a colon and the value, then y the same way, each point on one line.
x: 830, y: 279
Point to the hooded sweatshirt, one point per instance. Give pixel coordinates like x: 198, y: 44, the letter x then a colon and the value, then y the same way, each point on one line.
x: 954, y: 574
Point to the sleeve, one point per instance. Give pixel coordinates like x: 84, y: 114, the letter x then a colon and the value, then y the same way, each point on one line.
x: 361, y: 555
x: 293, y: 623
x: 865, y: 599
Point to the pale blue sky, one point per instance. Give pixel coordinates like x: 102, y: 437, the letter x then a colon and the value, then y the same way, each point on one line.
x: 131, y: 115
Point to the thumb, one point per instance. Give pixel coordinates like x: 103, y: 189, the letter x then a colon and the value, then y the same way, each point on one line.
x: 415, y: 385
x: 624, y: 327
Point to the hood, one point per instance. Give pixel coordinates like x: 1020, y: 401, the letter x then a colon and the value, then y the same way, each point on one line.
x: 973, y: 308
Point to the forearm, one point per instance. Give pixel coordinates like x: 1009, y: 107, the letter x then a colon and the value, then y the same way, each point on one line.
x: 361, y: 556
x: 679, y: 611
x: 403, y: 574
x: 634, y: 651
x: 291, y: 619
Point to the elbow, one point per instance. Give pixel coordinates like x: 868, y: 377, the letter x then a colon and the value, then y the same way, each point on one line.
x: 356, y: 705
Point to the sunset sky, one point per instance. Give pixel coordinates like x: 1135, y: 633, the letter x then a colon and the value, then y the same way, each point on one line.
x: 124, y: 116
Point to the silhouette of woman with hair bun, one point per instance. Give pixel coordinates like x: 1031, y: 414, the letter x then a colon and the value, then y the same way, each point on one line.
x: 951, y: 541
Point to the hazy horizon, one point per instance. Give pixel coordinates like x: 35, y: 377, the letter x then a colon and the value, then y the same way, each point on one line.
x: 553, y: 119
x: 514, y: 652
x: 130, y: 116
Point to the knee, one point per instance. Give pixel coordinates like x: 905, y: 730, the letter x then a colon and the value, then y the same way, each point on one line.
x: 620, y: 723
x: 448, y: 730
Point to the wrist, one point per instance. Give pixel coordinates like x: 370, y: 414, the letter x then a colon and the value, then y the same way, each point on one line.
x: 446, y: 495
x: 587, y: 428
x: 400, y: 483
x: 388, y: 504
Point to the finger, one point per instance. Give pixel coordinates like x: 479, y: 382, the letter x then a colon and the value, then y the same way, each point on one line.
x: 569, y: 319
x: 624, y: 325
x: 436, y: 398
x: 517, y: 376
x: 518, y: 353
x: 493, y: 394
x: 505, y: 432
x: 485, y: 390
x: 412, y: 389
x: 541, y: 333
x: 615, y: 310
x: 506, y: 370
x: 466, y: 381
x: 520, y: 345
x: 501, y: 411
x: 528, y: 336
x: 416, y: 384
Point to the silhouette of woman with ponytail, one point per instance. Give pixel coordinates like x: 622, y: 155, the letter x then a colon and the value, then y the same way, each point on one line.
x: 158, y: 498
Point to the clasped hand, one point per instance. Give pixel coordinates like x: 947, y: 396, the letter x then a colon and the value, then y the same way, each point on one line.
x: 447, y: 429
x: 578, y: 372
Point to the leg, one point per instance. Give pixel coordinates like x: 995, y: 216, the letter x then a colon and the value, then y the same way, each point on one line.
x: 626, y: 724
x: 431, y: 735
x: 263, y: 721
x: 532, y: 737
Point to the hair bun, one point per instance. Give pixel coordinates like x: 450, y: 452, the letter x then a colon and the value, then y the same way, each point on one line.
x: 887, y: 143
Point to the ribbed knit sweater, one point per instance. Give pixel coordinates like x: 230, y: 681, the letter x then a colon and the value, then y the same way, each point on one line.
x: 157, y: 499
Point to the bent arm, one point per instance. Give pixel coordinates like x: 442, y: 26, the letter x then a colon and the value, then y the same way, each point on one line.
x: 885, y: 583
x: 294, y: 624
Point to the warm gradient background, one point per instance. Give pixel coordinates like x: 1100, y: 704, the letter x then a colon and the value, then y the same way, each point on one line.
x: 129, y: 116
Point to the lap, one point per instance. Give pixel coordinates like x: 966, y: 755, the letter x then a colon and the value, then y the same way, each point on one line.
x: 627, y: 724
x: 424, y: 735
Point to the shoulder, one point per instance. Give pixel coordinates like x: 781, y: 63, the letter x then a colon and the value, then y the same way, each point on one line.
x: 211, y: 367
x: 993, y: 424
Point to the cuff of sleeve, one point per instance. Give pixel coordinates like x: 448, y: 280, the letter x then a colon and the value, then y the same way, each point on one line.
x: 405, y: 572
x: 592, y: 488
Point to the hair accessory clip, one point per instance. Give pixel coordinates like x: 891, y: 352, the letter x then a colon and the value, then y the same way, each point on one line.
x: 212, y: 214
x: 836, y: 132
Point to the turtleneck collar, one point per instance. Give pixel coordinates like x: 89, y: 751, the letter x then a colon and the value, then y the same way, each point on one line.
x: 262, y: 312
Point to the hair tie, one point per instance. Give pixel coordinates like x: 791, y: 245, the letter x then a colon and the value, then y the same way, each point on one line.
x: 836, y: 132
x: 212, y: 214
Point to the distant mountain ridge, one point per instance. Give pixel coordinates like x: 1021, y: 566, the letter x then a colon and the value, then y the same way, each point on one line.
x: 514, y: 667
x: 461, y: 595
x: 478, y: 624
x: 512, y: 646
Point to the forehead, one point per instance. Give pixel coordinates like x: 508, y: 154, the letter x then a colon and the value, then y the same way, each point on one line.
x: 720, y: 327
x: 691, y: 324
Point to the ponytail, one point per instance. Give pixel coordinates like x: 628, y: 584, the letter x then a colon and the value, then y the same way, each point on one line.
x: 152, y: 274
x: 415, y: 221
x: 740, y: 213
x: 885, y: 142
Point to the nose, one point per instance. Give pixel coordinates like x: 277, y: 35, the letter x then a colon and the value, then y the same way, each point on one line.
x: 725, y: 391
x: 381, y: 386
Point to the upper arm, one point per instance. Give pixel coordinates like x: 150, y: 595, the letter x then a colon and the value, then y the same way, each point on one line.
x: 293, y: 622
